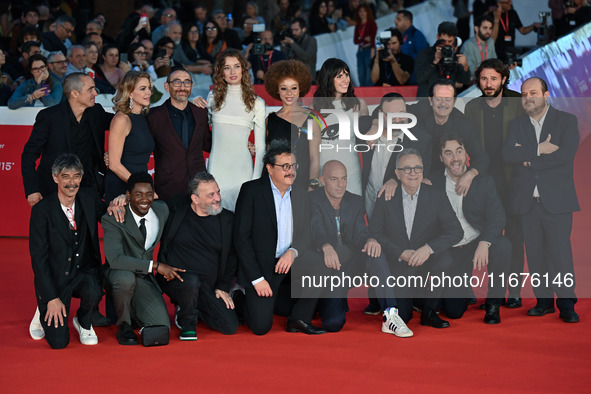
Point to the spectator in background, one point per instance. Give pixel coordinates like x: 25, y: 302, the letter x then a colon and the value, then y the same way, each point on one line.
x: 94, y: 37
x: 462, y: 13
x: 162, y: 57
x: 230, y: 36
x: 149, y: 46
x: 5, y: 90
x: 260, y: 63
x: 246, y: 34
x: 19, y: 70
x: 300, y: 45
x: 136, y: 56
x: 506, y: 21
x: 135, y: 28
x: 576, y: 15
x: 281, y: 21
x: 252, y: 12
x: 213, y: 39
x: 95, y: 26
x: 318, y: 21
x: 189, y: 45
x: 168, y: 15
x: 393, y: 68
x: 365, y: 37
x: 335, y: 16
x: 27, y: 33
x: 76, y: 59
x: 480, y: 47
x: 58, y: 65
x: 200, y: 11
x: 40, y: 87
x: 111, y: 69
x: 56, y: 40
x: 349, y: 11
x: 29, y: 20
x: 91, y: 58
x: 413, y: 40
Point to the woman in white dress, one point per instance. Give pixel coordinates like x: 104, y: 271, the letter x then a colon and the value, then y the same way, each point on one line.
x: 234, y: 110
x: 335, y: 91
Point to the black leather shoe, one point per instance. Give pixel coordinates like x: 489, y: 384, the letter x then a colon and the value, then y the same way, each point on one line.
x: 569, y: 316
x: 373, y: 308
x: 98, y: 320
x: 540, y: 310
x: 300, y: 326
x: 513, y: 302
x: 492, y: 315
x: 430, y: 318
x: 126, y: 335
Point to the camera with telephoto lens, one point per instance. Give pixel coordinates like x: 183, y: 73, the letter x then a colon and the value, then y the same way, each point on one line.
x: 449, y: 59
x: 285, y: 33
x: 545, y: 33
x: 258, y: 48
x: 382, y: 43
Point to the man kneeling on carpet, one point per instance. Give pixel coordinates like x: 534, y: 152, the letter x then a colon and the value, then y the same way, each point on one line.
x: 65, y: 254
x: 129, y: 247
x: 198, y: 238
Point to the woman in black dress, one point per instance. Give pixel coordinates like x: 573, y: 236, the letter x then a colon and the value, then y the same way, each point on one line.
x: 288, y: 80
x: 130, y: 141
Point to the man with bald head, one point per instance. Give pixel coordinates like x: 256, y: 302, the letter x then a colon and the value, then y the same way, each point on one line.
x: 261, y: 62
x: 340, y: 239
x: 181, y: 133
x: 541, y: 146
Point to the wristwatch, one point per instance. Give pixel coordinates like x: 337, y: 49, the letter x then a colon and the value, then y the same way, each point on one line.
x: 314, y: 183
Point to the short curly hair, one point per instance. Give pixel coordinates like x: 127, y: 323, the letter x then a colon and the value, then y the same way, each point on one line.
x: 284, y: 69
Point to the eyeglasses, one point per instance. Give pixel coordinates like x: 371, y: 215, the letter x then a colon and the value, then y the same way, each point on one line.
x: 407, y: 170
x: 69, y: 31
x: 287, y: 166
x: 37, y: 69
x: 193, y: 31
x: 170, y: 15
x: 60, y: 62
x: 141, y: 53
x: 177, y: 83
x: 248, y: 24
x: 211, y: 28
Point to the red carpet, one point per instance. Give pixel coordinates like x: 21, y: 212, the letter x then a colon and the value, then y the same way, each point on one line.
x: 523, y: 353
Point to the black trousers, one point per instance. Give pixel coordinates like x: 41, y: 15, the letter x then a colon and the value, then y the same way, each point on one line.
x: 549, y: 254
x: 197, y: 300
x: 87, y: 287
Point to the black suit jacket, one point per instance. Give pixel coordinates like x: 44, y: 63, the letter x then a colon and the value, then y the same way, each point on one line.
x: 255, y: 229
x: 174, y: 164
x: 179, y: 206
x: 51, y: 244
x: 552, y: 173
x: 51, y: 137
x: 435, y: 223
x: 52, y: 43
x: 354, y: 232
x: 482, y: 206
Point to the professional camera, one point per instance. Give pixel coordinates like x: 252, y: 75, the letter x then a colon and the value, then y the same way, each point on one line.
x: 513, y: 57
x: 545, y: 32
x: 449, y: 59
x: 258, y: 48
x: 285, y: 33
x: 382, y: 42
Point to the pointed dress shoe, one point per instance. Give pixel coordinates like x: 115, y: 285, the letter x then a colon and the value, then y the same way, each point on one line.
x: 492, y: 315
x: 569, y: 316
x: 513, y: 302
x: 300, y: 326
x: 430, y: 318
x: 540, y: 310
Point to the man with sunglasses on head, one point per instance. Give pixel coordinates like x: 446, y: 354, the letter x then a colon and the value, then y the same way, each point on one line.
x: 181, y: 133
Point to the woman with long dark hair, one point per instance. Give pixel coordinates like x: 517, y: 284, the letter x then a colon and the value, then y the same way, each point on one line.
x: 335, y: 91
x: 234, y: 110
x: 40, y: 90
x: 318, y: 20
x: 212, y: 39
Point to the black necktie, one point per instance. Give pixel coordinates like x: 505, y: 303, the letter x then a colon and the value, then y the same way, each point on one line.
x: 185, y: 129
x: 143, y: 229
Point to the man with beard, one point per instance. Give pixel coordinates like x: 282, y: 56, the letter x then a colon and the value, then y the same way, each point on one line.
x: 300, y: 45
x: 482, y: 218
x: 541, y: 147
x: 65, y: 255
x: 491, y: 115
x: 181, y: 133
x: 198, y: 238
x: 480, y: 47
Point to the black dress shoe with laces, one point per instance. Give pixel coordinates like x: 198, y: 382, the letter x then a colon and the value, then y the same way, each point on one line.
x: 301, y: 326
x: 513, y: 302
x: 492, y: 315
x: 430, y: 318
x: 126, y: 335
x: 569, y: 316
x: 540, y: 310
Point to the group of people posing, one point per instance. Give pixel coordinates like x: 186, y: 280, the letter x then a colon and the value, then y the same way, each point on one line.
x: 294, y: 203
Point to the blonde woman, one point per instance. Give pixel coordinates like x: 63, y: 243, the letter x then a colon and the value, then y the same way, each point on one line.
x: 130, y: 141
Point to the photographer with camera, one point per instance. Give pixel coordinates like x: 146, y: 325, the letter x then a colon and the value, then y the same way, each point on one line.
x: 391, y: 67
x: 576, y: 14
x: 261, y: 55
x: 480, y: 47
x: 441, y: 61
x: 297, y: 44
x: 506, y: 21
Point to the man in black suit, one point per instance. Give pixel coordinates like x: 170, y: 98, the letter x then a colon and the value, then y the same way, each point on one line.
x: 340, y: 240
x: 415, y: 229
x: 181, y: 133
x: 129, y: 249
x: 198, y: 238
x: 542, y: 147
x: 76, y: 126
x: 65, y: 255
x: 264, y: 231
x: 491, y: 112
x: 55, y: 40
x: 482, y: 217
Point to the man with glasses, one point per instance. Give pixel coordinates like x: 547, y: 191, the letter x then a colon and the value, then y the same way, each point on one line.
x: 230, y: 35
x: 168, y: 15
x: 266, y: 234
x: 415, y: 229
x: 56, y: 40
x: 58, y: 66
x: 181, y: 133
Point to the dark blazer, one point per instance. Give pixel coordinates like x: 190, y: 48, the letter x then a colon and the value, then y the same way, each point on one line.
x: 255, y: 229
x: 52, y: 43
x: 179, y: 206
x: 51, y: 137
x: 481, y: 206
x: 354, y: 232
x: 435, y: 223
x: 51, y: 244
x: 174, y: 164
x: 124, y: 244
x: 552, y: 173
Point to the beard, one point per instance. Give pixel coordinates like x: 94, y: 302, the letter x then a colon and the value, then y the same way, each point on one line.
x: 496, y: 92
x: 482, y: 37
x: 214, y: 211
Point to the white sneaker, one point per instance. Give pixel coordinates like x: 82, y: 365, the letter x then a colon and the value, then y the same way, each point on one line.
x: 87, y: 337
x: 393, y: 324
x: 35, y: 328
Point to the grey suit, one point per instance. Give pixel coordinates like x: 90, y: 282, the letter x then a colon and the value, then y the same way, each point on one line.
x: 135, y: 291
